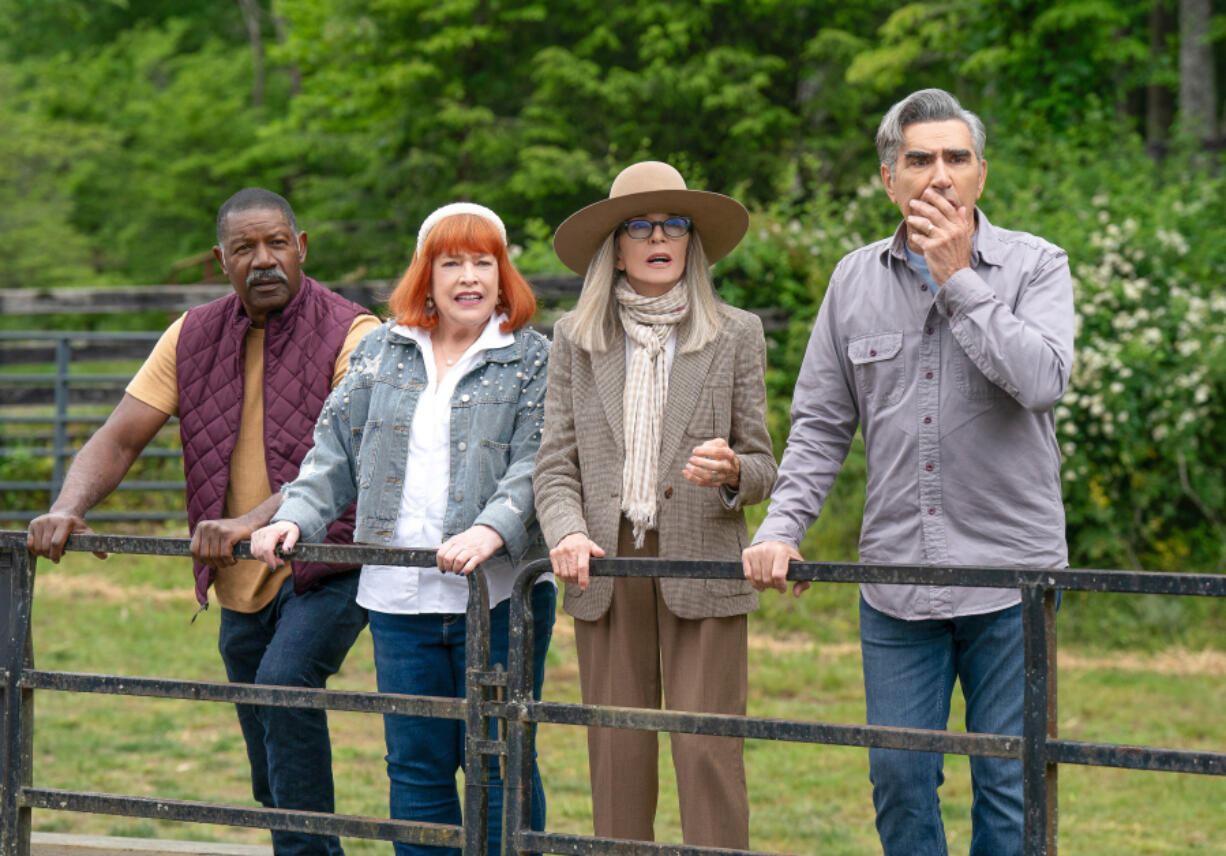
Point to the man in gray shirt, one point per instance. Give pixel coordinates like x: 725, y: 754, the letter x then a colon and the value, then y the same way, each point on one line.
x: 948, y: 345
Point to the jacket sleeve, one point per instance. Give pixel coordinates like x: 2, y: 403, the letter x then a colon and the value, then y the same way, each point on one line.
x: 1027, y: 349
x: 510, y: 511
x: 749, y: 436
x: 558, y: 480
x: 327, y: 480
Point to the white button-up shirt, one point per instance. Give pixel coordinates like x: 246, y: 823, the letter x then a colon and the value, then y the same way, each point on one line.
x: 423, y: 501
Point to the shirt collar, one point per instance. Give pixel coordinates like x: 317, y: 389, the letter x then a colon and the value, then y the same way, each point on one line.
x: 985, y: 244
x: 491, y: 336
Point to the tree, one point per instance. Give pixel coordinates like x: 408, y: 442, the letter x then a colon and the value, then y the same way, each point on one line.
x: 1197, y: 87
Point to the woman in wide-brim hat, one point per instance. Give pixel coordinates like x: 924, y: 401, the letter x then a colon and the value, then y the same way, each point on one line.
x: 655, y: 439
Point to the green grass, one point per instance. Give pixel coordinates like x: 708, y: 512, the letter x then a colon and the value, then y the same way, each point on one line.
x: 131, y: 615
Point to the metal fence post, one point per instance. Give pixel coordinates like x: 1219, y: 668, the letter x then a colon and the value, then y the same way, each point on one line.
x: 521, y: 732
x: 1040, y: 775
x: 63, y: 363
x: 17, y: 708
x: 477, y: 724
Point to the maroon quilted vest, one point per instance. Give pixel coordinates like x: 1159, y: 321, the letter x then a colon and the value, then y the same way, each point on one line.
x: 301, y: 344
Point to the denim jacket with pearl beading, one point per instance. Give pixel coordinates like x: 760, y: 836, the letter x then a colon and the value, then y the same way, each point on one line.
x: 362, y: 443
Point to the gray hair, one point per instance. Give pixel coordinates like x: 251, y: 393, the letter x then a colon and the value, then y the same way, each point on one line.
x: 926, y: 105
x: 594, y: 320
x: 249, y: 199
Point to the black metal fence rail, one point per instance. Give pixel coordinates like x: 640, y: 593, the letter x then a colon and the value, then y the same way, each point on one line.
x: 48, y: 415
x: 19, y: 679
x: 1038, y: 748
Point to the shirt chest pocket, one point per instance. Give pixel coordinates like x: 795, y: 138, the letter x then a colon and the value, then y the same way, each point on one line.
x: 877, y: 361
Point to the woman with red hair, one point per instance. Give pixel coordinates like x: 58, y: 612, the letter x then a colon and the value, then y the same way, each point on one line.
x: 434, y: 431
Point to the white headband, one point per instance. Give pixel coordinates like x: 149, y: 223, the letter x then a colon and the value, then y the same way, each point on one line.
x: 459, y: 208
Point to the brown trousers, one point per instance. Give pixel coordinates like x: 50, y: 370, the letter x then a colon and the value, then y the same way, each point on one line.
x: 703, y: 665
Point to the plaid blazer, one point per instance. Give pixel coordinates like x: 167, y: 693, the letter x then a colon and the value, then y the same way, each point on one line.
x: 719, y: 391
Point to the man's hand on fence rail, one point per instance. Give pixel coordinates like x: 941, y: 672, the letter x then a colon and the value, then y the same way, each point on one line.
x: 49, y: 532
x: 766, y: 566
x: 213, y: 541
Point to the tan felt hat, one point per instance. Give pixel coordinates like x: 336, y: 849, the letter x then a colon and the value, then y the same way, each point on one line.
x: 644, y: 188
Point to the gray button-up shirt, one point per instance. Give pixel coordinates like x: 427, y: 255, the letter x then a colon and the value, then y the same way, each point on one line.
x: 954, y: 394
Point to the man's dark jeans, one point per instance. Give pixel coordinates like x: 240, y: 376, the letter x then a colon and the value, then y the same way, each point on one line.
x: 296, y: 641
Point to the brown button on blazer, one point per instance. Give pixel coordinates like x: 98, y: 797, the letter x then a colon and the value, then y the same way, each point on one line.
x: 719, y: 391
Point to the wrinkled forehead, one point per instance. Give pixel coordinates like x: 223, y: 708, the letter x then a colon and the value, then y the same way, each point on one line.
x: 944, y: 135
x: 255, y: 221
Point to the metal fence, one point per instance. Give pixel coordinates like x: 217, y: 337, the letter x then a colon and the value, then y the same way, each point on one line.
x: 48, y: 415
x: 1038, y: 747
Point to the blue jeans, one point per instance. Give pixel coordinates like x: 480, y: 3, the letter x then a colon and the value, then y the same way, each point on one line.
x: 424, y: 655
x: 909, y: 672
x: 296, y: 641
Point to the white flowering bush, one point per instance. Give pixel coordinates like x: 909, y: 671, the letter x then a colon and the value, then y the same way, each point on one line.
x: 1142, y: 425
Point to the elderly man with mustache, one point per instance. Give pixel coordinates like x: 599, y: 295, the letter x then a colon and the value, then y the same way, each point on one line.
x: 247, y: 375
x: 948, y: 345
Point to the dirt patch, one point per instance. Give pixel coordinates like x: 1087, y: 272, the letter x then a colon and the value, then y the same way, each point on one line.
x: 106, y: 589
x: 1174, y: 661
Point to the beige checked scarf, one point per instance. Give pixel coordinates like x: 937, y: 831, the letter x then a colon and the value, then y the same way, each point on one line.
x: 648, y: 322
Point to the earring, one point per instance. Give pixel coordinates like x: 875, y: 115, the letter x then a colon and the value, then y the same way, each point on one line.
x: 429, y: 305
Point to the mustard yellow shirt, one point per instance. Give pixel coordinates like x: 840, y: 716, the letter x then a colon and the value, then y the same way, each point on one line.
x: 248, y: 585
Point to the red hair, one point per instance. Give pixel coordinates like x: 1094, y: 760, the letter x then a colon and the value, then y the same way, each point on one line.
x: 461, y: 233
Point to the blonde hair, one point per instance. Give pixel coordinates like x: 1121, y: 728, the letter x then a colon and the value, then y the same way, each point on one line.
x: 594, y: 321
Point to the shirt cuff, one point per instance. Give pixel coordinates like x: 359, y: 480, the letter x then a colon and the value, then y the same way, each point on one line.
x: 960, y: 291
x: 778, y: 529
x: 507, y: 524
x: 310, y: 528
x: 730, y: 496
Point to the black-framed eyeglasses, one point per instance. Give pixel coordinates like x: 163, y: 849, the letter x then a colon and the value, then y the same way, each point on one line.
x: 640, y: 230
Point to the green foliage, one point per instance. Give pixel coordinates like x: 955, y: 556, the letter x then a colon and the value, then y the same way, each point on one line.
x: 407, y: 104
x: 175, y: 122
x: 1054, y: 58
x: 19, y: 465
x: 1141, y: 425
x: 136, y: 116
x: 40, y: 244
x: 123, y: 126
